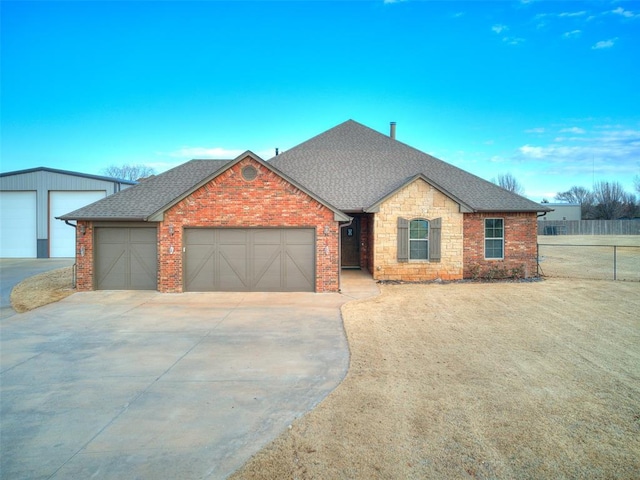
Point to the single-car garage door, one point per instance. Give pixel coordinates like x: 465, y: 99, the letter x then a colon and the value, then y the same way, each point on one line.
x: 126, y: 258
x: 18, y: 224
x: 249, y: 260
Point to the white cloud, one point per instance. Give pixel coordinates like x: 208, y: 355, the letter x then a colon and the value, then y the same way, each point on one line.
x: 499, y: 28
x: 572, y: 14
x: 513, y: 40
x: 533, y: 152
x: 624, y: 13
x: 573, y: 130
x: 572, y: 34
x: 535, y: 130
x: 605, y: 44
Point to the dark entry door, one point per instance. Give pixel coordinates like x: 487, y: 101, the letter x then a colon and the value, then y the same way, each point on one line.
x: 351, y: 245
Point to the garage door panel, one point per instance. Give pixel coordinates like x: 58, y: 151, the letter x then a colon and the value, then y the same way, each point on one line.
x: 18, y: 236
x: 200, y: 266
x: 126, y: 258
x: 268, y: 268
x: 250, y: 260
x: 144, y: 263
x: 297, y: 273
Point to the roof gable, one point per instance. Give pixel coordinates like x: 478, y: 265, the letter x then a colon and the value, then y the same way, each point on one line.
x: 354, y: 167
x: 464, y: 208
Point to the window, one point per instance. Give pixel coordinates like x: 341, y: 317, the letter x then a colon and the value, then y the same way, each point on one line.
x: 419, y: 240
x: 493, y: 238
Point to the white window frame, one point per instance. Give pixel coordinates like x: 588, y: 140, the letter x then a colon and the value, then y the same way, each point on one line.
x: 493, y: 238
x: 426, y: 240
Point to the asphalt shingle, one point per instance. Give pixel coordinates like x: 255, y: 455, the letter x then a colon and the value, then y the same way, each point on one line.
x: 150, y: 195
x: 353, y: 167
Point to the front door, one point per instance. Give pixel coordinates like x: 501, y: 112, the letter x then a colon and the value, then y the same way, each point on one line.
x: 351, y: 245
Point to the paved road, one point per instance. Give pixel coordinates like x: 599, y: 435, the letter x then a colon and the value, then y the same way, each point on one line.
x: 121, y: 384
x: 14, y: 270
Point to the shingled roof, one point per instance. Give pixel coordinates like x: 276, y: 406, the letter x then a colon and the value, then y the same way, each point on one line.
x: 353, y: 167
x: 151, y: 195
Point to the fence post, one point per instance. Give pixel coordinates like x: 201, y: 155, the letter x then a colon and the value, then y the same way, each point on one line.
x: 537, y: 259
x: 615, y: 262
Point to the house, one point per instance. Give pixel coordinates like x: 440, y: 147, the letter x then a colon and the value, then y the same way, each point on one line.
x: 350, y: 197
x: 30, y: 201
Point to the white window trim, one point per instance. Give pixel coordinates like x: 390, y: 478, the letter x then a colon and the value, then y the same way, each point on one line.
x: 484, y: 234
x: 427, y: 240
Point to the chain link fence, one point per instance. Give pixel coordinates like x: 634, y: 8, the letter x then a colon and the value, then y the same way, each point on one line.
x: 589, y: 261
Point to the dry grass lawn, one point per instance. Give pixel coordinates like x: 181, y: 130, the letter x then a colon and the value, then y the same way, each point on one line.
x: 501, y: 380
x: 42, y: 289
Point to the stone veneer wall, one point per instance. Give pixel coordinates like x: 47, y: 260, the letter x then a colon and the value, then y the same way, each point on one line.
x: 418, y: 200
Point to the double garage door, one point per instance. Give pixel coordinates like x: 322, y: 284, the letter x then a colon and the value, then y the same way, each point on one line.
x: 215, y: 259
x: 245, y: 260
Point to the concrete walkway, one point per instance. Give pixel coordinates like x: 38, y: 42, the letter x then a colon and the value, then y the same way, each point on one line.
x: 145, y: 385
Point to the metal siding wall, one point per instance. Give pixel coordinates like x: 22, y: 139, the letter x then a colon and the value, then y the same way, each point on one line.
x: 43, y: 181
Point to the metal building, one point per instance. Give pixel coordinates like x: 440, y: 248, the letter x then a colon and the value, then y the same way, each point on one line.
x: 30, y: 201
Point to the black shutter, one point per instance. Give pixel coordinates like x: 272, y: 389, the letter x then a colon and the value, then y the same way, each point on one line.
x: 435, y: 229
x: 403, y: 240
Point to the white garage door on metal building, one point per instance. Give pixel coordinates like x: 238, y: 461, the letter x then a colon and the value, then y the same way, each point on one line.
x: 62, y: 237
x: 249, y: 259
x: 18, y: 224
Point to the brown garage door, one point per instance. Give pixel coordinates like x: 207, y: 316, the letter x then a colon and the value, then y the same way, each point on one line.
x: 249, y: 260
x: 126, y: 258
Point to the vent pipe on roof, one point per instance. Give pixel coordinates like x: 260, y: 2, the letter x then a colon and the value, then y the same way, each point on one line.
x: 277, y: 151
x: 392, y: 132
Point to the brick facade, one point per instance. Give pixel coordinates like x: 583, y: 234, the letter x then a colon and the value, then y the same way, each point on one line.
x: 231, y: 201
x: 417, y: 200
x: 84, y: 256
x: 520, y: 239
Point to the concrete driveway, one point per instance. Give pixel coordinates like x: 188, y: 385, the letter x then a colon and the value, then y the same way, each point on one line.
x: 14, y: 270
x: 157, y: 386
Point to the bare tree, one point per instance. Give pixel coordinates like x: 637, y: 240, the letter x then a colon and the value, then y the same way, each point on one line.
x: 581, y: 196
x: 636, y: 183
x: 630, y: 206
x: 129, y: 171
x: 509, y: 182
x: 609, y: 200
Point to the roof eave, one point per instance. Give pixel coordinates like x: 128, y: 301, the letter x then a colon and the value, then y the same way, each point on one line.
x: 105, y: 219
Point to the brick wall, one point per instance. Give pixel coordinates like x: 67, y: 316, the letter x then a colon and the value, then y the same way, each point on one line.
x: 520, y: 238
x: 230, y: 201
x: 84, y: 256
x: 417, y: 200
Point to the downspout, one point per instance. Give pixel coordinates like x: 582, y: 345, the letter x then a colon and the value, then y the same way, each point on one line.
x: 538, y: 246
x: 74, y: 269
x: 348, y: 224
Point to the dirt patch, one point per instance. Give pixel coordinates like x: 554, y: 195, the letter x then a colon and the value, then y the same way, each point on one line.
x: 42, y: 289
x: 504, y: 380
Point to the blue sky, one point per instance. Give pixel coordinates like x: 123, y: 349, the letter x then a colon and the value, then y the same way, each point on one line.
x: 546, y: 91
